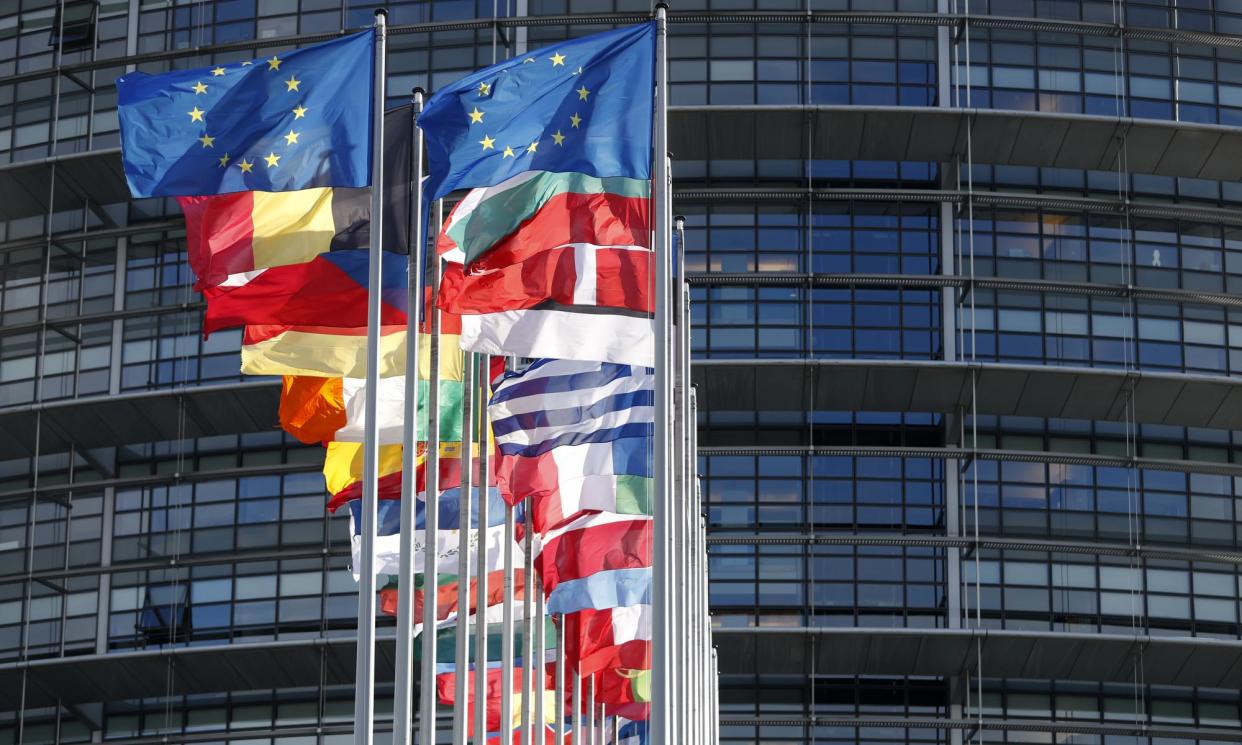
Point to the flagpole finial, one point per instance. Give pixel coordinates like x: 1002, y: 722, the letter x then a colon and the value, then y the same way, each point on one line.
x: 417, y: 90
x: 662, y: 6
x: 680, y: 220
x: 381, y: 13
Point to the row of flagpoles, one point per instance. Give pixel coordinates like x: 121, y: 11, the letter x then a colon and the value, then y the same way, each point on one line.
x: 594, y: 552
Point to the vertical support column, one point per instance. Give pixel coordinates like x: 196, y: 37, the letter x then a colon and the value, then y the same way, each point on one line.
x: 105, y: 578
x: 948, y: 343
x: 118, y: 325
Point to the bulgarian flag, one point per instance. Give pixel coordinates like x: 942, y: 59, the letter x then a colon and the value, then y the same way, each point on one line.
x: 553, y: 265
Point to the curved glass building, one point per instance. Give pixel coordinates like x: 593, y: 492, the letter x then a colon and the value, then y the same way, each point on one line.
x: 968, y: 359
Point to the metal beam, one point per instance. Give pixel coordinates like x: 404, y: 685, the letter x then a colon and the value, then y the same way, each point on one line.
x: 1017, y: 200
x: 888, y: 133
x: 1087, y: 548
x: 937, y: 281
x: 965, y: 454
x: 941, y: 135
x: 1008, y: 23
x: 1076, y: 727
x: 1031, y: 655
x: 1001, y: 389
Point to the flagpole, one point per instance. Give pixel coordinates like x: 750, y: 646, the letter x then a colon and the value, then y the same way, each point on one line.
x: 528, y: 612
x: 364, y: 675
x: 533, y: 587
x: 681, y: 564
x: 480, y: 629
x: 403, y: 683
x: 560, y: 680
x: 506, y: 635
x: 462, y: 652
x: 431, y: 510
x: 590, y: 707
x: 577, y: 728
x: 660, y: 709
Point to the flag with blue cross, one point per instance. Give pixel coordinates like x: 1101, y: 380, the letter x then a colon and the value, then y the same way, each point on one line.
x: 291, y: 121
x: 583, y: 106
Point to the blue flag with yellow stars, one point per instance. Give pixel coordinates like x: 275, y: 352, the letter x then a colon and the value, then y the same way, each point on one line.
x: 582, y: 106
x: 295, y: 120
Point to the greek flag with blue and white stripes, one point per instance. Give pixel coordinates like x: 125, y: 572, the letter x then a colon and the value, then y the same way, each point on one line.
x: 568, y: 402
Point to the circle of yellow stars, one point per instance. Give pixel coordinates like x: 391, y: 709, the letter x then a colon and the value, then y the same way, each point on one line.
x: 484, y: 90
x: 206, y: 140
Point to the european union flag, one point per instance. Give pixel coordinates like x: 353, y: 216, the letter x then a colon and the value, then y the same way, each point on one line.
x: 296, y: 120
x: 584, y: 106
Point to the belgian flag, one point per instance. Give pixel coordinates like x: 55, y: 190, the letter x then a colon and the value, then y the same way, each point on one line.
x: 296, y: 257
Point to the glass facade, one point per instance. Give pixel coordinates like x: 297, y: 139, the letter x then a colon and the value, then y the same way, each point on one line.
x: 1108, y: 544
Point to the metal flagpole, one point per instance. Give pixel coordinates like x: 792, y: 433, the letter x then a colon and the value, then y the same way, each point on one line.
x: 403, y: 683
x: 529, y: 663
x: 577, y: 727
x: 660, y: 660
x: 364, y: 676
x: 431, y: 511
x: 462, y: 652
x: 681, y: 561
x: 482, y: 380
x: 590, y: 710
x: 533, y: 587
x: 506, y: 633
x: 560, y: 680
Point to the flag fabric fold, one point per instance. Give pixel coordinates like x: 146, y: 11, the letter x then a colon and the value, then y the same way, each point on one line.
x: 559, y: 402
x: 611, y: 637
x: 592, y: 543
x: 329, y: 290
x: 510, y: 222
x: 231, y: 234
x: 322, y: 351
x: 559, y: 483
x: 387, y: 546
x: 297, y: 120
x: 585, y: 105
x: 569, y: 333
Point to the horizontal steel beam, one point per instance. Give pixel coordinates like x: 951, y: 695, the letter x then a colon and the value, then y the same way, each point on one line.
x: 922, y: 540
x: 992, y: 653
x: 927, y: 281
x: 990, y: 388
x: 1075, y: 727
x: 966, y: 454
x: 900, y: 18
x: 1056, y: 202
